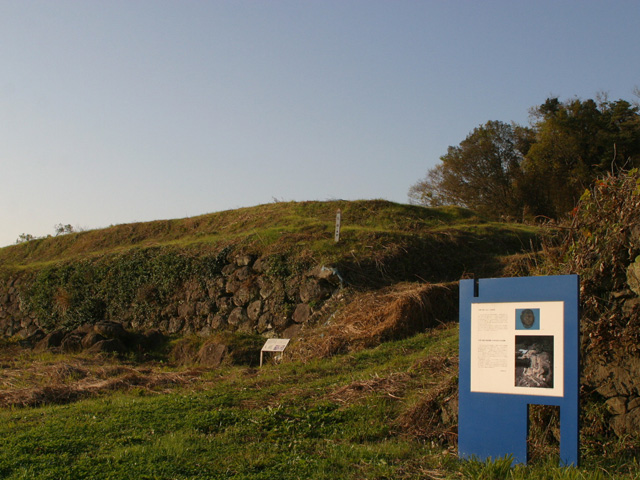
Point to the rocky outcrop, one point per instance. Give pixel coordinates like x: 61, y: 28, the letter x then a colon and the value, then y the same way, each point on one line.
x: 103, y: 337
x: 618, y: 381
x: 615, y: 374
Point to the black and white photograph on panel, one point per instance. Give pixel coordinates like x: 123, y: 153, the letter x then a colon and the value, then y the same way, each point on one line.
x: 534, y: 361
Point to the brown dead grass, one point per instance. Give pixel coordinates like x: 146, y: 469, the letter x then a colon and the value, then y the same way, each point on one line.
x: 34, y: 383
x: 434, y: 416
x: 374, y: 317
x: 392, y: 386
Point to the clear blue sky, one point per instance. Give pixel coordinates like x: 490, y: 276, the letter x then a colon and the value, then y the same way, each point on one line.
x: 121, y: 111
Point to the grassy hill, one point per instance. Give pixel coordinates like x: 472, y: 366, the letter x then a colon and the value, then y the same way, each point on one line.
x: 350, y: 400
x: 369, y: 230
x: 137, y: 273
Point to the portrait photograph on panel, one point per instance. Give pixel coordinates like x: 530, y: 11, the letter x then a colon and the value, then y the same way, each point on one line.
x: 527, y: 319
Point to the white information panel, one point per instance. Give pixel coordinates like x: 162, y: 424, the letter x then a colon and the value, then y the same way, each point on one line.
x: 518, y: 348
x: 275, y: 345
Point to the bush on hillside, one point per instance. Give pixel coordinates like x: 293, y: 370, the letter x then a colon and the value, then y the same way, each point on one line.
x: 601, y: 243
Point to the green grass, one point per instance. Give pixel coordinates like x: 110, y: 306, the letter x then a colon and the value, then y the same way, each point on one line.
x: 269, y: 228
x: 281, y: 421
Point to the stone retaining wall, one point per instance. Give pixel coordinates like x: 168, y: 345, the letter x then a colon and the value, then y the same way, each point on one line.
x: 244, y: 297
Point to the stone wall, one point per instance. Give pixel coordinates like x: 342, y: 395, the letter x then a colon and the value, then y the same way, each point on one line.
x: 14, y: 317
x: 243, y: 297
x: 616, y: 375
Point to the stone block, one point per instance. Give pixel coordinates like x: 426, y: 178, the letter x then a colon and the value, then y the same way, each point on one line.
x: 91, y: 338
x: 617, y: 405
x: 633, y: 276
x: 176, y: 324
x: 71, y: 343
x: 254, y: 310
x: 51, y: 340
x: 302, y: 313
x: 186, y: 310
x: 237, y: 317
x: 212, y: 354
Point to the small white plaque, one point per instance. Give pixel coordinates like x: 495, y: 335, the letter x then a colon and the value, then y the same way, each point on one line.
x: 275, y: 345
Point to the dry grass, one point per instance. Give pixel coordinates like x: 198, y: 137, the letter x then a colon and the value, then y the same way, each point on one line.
x: 392, y: 386
x: 374, y: 317
x: 434, y: 416
x: 32, y: 381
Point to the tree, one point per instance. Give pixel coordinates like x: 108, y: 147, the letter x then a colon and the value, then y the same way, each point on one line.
x: 25, y: 237
x: 483, y: 172
x: 509, y: 170
x: 64, y: 229
x: 576, y: 142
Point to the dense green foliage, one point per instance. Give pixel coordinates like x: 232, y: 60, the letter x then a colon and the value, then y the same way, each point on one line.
x: 483, y: 172
x: 69, y: 294
x: 514, y: 171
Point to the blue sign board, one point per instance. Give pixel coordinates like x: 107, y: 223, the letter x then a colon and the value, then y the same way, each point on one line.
x: 518, y: 347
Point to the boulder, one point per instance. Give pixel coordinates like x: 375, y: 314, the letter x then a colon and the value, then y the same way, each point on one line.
x: 91, y: 338
x: 633, y: 276
x: 51, y: 340
x: 302, y: 313
x: 84, y: 329
x: 216, y: 322
x: 71, y: 343
x: 330, y: 274
x: 314, y: 290
x: 176, y: 324
x: 264, y: 323
x: 292, y: 332
x: 254, y: 310
x: 237, y: 317
x: 186, y: 310
x: 32, y: 340
x: 109, y: 345
x: 627, y: 424
x: 110, y: 330
x: 224, y: 305
x: 237, y: 278
x: 212, y: 354
x: 203, y: 309
x: 243, y: 295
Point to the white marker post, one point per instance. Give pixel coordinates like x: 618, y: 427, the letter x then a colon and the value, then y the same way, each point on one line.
x: 338, y: 218
x: 274, y: 345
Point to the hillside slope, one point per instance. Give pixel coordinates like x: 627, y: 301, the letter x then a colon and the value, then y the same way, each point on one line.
x: 261, y: 270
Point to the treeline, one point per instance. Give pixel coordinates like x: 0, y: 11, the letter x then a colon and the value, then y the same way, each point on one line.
x: 521, y: 172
